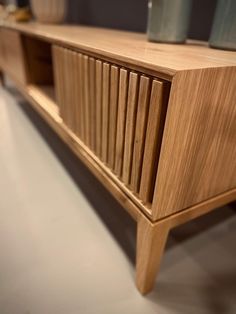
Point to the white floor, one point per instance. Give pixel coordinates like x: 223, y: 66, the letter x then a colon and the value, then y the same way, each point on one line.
x: 67, y: 247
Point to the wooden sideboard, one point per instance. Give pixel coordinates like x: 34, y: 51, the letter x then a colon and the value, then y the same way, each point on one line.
x: 155, y: 123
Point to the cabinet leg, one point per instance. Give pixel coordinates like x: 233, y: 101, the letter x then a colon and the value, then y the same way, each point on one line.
x: 151, y: 240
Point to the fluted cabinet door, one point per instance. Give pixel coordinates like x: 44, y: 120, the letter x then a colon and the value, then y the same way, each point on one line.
x: 117, y: 113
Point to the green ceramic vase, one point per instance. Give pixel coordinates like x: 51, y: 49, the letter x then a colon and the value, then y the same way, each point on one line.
x: 223, y: 34
x: 168, y: 20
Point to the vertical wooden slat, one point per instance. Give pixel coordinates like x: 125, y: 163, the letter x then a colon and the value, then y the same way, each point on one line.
x: 55, y: 61
x: 60, y: 79
x: 98, y: 107
x: 86, y: 98
x: 81, y: 120
x: 120, y: 135
x: 114, y: 89
x: 62, y: 82
x: 73, y: 91
x: 152, y: 141
x: 77, y: 96
x: 105, y: 109
x: 69, y: 91
x: 130, y: 126
x: 67, y: 86
x: 92, y: 102
x: 57, y: 75
x: 140, y: 132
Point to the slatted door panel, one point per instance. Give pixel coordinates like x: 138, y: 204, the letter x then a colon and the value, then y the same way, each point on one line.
x: 118, y: 113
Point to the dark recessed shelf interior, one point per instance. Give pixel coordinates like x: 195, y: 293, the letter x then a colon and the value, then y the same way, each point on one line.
x: 39, y: 67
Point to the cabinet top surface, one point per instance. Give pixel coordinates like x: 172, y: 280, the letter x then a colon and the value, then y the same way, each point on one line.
x: 131, y: 47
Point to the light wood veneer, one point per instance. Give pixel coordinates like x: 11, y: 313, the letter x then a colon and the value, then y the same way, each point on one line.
x: 155, y: 123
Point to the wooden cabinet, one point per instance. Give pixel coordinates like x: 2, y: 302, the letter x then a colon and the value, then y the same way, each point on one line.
x: 155, y: 123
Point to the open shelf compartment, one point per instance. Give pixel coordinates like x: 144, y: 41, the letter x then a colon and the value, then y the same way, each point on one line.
x: 39, y: 69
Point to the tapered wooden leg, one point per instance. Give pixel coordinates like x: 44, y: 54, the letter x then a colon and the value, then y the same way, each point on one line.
x: 151, y: 240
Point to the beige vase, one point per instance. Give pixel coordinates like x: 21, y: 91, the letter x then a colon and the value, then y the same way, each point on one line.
x: 49, y: 11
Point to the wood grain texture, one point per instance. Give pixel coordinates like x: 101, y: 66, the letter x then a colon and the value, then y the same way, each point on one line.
x: 121, y: 119
x: 43, y: 95
x: 64, y: 82
x: 81, y: 118
x: 68, y: 89
x: 200, y: 209
x: 86, y: 107
x: 115, y: 97
x: 151, y: 240
x: 99, y: 83
x: 13, y: 55
x: 38, y: 60
x: 197, y: 138
x: 106, y: 177
x: 78, y: 95
x: 92, y: 103
x: 74, y: 92
x: 140, y: 132
x: 153, y: 137
x: 101, y: 172
x: 197, y: 166
x: 131, y: 49
x: 152, y: 237
x: 114, y: 89
x: 130, y: 126
x: 198, y: 155
x: 105, y: 109
x: 59, y: 74
x: 62, y: 79
x: 56, y: 74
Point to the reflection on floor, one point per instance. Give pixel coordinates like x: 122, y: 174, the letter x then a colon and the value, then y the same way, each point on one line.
x: 67, y: 247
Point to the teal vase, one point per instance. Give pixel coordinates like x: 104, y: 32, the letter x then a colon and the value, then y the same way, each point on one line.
x: 168, y: 20
x: 223, y: 34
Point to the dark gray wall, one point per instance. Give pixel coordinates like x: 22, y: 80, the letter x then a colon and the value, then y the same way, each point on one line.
x: 132, y: 15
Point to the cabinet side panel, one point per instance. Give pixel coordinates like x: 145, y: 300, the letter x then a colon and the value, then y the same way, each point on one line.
x: 198, y: 154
